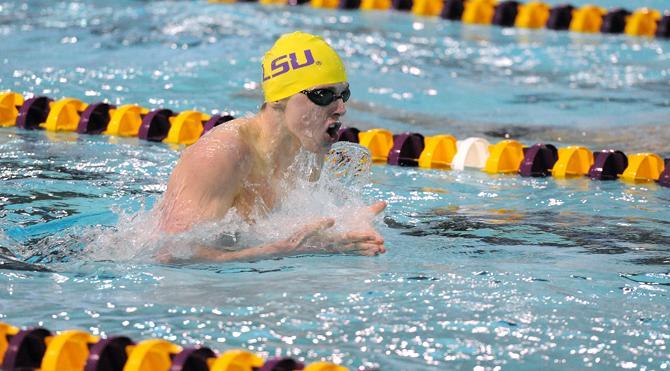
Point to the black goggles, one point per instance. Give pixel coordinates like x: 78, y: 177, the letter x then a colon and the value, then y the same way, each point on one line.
x: 324, y: 97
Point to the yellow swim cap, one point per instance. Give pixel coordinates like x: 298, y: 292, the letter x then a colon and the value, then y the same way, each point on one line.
x: 299, y: 61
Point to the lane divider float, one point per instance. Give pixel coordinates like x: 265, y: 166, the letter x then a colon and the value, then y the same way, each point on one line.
x: 509, y: 13
x: 74, y: 350
x: 73, y: 115
x: 508, y: 157
x: 405, y: 149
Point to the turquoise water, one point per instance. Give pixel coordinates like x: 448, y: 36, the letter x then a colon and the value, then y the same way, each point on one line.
x: 480, y: 271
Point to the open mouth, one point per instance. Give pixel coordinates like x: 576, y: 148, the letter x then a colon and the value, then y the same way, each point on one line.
x: 333, y: 130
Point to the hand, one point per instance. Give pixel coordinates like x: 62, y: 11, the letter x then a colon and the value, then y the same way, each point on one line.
x: 299, y: 238
x: 314, y: 237
x: 310, y: 238
x: 377, y: 207
x: 367, y: 243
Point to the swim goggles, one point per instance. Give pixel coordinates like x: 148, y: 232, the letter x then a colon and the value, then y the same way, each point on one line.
x: 324, y: 97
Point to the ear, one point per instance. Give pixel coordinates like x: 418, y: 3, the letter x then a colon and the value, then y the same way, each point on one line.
x: 279, y: 105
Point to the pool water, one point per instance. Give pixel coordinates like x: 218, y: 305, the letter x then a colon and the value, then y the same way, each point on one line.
x: 481, y: 270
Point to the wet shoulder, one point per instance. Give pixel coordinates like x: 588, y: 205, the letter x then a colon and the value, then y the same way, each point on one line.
x: 221, y: 147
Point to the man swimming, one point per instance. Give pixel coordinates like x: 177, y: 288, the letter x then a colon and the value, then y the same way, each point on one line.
x: 240, y: 165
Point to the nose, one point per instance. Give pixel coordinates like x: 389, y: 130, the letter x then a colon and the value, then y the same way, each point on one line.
x: 341, y: 109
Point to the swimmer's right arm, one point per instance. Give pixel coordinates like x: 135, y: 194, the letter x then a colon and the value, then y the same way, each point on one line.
x: 308, y: 239
x: 204, y: 183
x: 203, y: 186
x: 274, y: 249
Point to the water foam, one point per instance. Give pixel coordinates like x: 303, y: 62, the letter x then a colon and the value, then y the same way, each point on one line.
x: 336, y: 194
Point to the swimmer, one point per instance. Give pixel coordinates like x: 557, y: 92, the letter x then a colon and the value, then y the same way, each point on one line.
x: 243, y: 163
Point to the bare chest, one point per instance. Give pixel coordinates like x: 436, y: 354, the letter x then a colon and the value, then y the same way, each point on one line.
x: 256, y: 198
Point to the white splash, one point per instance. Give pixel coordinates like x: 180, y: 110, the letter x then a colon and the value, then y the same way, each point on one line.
x: 336, y: 194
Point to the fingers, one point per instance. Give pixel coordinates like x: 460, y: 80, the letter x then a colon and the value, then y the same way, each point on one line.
x: 366, y: 236
x: 371, y: 249
x: 311, y: 238
x: 311, y: 230
x: 377, y: 207
x: 368, y: 243
x: 319, y: 226
x: 363, y: 248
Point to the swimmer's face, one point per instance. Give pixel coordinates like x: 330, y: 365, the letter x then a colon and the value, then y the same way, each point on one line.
x: 315, y: 125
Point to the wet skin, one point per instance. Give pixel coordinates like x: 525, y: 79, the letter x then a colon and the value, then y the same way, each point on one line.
x: 241, y: 165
